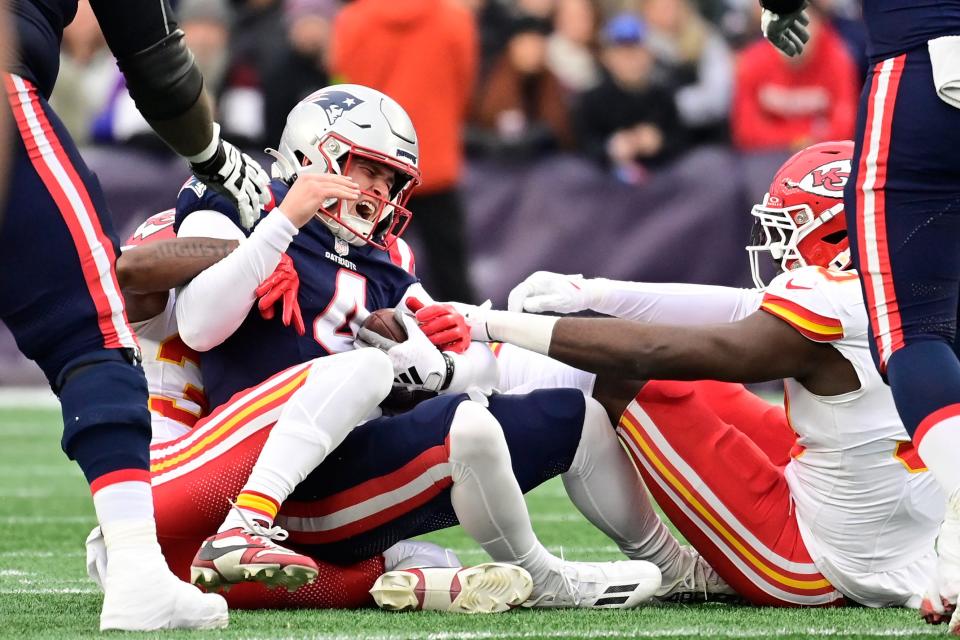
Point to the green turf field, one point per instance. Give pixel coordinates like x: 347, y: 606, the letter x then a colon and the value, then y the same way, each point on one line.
x: 45, y: 514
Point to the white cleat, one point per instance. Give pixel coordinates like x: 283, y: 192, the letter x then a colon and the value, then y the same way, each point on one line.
x: 696, y: 581
x: 597, y: 585
x: 493, y: 587
x: 145, y: 596
x: 948, y: 569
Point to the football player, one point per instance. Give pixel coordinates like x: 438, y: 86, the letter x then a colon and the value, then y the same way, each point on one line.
x: 905, y: 224
x: 153, y: 261
x: 58, y: 289
x: 843, y: 510
x: 351, y: 491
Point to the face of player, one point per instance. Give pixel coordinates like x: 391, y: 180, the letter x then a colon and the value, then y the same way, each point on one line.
x: 373, y: 177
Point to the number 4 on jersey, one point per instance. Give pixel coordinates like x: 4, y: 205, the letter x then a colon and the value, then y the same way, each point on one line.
x: 335, y: 328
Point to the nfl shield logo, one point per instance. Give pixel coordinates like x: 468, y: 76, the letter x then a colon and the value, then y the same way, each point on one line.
x: 341, y: 247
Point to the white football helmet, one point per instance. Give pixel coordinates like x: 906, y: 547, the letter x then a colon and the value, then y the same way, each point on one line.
x: 332, y: 127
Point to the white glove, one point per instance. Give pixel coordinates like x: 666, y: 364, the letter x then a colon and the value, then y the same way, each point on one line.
x: 787, y: 32
x: 476, y: 317
x: 546, y: 291
x: 225, y: 169
x: 417, y: 363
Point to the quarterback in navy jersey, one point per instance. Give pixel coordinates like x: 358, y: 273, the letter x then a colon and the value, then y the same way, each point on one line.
x: 358, y: 481
x: 345, y: 283
x: 59, y: 292
x: 905, y: 235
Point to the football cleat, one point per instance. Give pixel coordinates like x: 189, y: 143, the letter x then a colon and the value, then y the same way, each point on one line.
x: 486, y: 588
x: 696, y: 582
x: 249, y: 554
x: 597, y: 585
x: 948, y: 570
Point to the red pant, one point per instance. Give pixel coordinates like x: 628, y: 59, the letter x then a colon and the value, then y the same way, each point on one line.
x: 713, y: 454
x: 197, y: 475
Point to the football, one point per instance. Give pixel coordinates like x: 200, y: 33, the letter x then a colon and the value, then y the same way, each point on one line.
x: 383, y: 322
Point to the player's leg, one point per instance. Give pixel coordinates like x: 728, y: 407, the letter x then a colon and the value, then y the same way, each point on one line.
x: 338, y: 394
x: 724, y: 494
x: 59, y: 297
x: 905, y: 241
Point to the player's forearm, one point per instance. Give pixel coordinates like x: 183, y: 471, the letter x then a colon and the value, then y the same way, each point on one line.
x: 189, y: 133
x: 216, y: 302
x: 614, y: 347
x: 166, y: 264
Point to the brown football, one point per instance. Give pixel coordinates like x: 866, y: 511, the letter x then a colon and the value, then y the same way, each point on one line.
x: 384, y: 323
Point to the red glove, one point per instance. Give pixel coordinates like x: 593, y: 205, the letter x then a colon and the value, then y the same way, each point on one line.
x: 443, y: 324
x: 283, y: 282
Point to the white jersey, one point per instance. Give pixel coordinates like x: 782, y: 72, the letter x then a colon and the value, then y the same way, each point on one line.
x: 172, y: 368
x: 867, y: 509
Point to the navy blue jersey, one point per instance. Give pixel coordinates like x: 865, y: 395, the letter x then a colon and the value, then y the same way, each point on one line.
x: 339, y: 285
x: 39, y: 27
x: 897, y: 26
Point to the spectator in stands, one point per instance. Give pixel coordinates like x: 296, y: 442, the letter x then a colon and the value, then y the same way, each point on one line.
x: 522, y: 107
x: 88, y: 73
x: 783, y: 103
x: 422, y: 53
x: 571, y: 48
x: 629, y: 123
x: 699, y: 65
x: 298, y: 67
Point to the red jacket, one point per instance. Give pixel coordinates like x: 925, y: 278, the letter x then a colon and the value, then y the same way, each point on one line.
x: 423, y: 54
x: 780, y: 103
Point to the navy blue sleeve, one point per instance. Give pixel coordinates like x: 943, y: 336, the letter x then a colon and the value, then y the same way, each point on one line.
x: 195, y: 196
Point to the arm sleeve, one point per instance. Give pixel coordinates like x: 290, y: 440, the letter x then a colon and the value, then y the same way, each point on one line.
x: 215, y: 303
x: 677, y: 304
x: 133, y: 25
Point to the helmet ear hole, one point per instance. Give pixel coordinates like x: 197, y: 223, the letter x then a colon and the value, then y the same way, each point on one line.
x: 836, y: 237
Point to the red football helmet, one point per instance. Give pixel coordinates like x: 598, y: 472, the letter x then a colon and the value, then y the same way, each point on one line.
x: 801, y: 220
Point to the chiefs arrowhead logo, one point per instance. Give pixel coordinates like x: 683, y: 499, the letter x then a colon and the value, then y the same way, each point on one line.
x: 827, y: 179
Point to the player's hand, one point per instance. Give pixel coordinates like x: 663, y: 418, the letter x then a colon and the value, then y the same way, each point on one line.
x: 417, y: 363
x: 237, y: 176
x: 476, y: 318
x: 311, y: 190
x: 283, y: 284
x: 442, y: 324
x: 787, y: 32
x: 547, y: 291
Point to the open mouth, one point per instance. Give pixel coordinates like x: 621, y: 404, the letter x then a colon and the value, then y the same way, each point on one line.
x: 366, y: 210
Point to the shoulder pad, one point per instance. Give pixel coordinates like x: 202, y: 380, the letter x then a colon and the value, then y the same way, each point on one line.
x: 823, y: 305
x: 402, y: 256
x: 159, y: 226
x: 196, y: 196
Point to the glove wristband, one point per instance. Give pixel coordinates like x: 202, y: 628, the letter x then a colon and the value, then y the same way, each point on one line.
x: 448, y: 378
x: 210, y: 151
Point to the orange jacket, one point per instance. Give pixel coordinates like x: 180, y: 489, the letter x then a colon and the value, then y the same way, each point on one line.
x: 423, y: 54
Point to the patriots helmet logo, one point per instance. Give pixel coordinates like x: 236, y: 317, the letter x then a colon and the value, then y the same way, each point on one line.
x: 335, y: 103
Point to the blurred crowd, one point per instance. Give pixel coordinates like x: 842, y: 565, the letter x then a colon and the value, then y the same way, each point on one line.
x: 632, y: 85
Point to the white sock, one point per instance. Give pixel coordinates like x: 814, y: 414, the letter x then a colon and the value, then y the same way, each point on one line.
x: 939, y: 449
x: 486, y: 496
x: 604, y: 485
x: 339, y: 392
x: 123, y: 501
